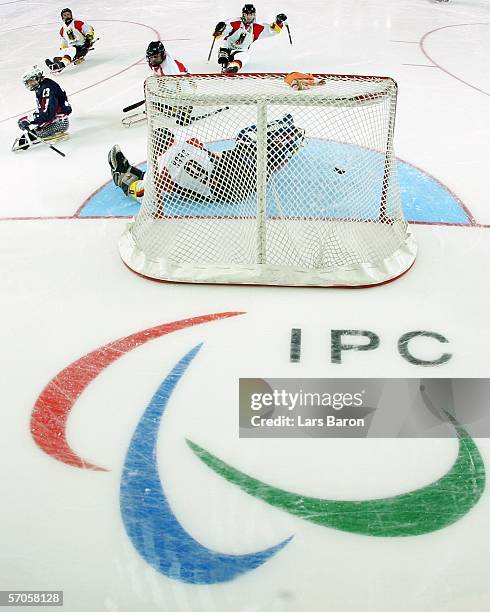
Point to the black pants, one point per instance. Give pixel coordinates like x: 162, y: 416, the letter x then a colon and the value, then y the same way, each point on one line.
x: 234, y: 176
x: 80, y: 52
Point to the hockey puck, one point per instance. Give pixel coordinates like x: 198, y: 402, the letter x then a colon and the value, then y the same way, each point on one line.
x: 339, y: 170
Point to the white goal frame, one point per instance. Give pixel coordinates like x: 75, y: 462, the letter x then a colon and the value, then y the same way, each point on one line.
x: 142, y: 252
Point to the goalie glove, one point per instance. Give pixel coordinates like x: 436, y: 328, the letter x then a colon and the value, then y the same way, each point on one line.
x: 301, y: 81
x: 219, y: 29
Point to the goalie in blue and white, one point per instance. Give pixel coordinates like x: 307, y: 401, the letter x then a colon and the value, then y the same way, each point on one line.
x: 50, y: 120
x: 188, y: 170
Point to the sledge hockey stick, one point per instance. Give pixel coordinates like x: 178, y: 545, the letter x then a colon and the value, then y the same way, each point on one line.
x: 211, y: 50
x: 289, y: 33
x: 38, y: 138
x: 133, y: 106
x: 92, y: 48
x: 191, y: 120
x: 215, y: 112
x: 179, y: 118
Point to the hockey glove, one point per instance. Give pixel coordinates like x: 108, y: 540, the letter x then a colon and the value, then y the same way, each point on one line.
x: 24, y: 124
x: 281, y: 18
x: 219, y: 29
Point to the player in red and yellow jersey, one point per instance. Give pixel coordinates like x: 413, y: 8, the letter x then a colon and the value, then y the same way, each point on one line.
x: 239, y: 34
x: 76, y: 39
x: 161, y: 62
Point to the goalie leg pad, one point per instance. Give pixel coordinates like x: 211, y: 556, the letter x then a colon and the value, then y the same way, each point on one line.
x: 117, y: 160
x: 139, y: 174
x: 130, y: 181
x: 123, y: 174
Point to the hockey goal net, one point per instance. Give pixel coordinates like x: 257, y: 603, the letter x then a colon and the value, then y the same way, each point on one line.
x: 252, y: 182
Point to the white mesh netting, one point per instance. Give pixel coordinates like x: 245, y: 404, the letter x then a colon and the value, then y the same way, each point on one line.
x: 252, y: 182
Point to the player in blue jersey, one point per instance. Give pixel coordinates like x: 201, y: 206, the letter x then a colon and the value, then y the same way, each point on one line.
x: 50, y: 120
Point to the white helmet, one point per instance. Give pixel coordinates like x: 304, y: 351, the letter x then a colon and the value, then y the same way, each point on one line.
x: 32, y: 78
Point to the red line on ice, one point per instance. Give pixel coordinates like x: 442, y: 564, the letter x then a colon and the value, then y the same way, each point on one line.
x: 157, y: 34
x: 422, y: 48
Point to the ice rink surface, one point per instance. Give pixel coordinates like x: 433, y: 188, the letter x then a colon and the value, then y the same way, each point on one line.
x: 106, y: 502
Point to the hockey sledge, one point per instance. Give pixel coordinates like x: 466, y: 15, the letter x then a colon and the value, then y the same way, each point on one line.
x: 76, y: 62
x: 133, y: 119
x: 51, y: 140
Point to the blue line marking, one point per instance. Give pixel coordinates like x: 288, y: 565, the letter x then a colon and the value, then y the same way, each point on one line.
x: 423, y: 198
x: 152, y: 527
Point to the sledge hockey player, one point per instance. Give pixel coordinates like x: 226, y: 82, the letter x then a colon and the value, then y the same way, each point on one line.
x: 74, y: 33
x: 301, y: 81
x: 188, y: 170
x: 50, y: 121
x: 239, y: 34
x: 161, y: 62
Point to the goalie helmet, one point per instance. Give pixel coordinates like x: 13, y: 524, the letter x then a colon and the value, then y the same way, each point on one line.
x: 32, y: 78
x: 154, y: 50
x: 248, y: 14
x: 67, y: 19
